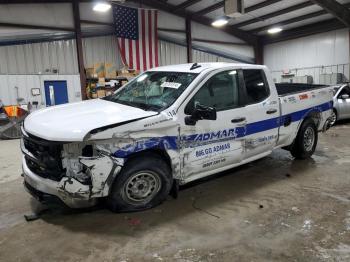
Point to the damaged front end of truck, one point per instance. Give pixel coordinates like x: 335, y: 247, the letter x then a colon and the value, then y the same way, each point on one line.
x: 75, y: 173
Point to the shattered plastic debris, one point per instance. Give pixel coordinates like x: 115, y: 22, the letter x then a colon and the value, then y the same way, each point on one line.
x: 295, y: 209
x: 156, y: 255
x: 347, y: 221
x: 188, y: 254
x: 284, y: 224
x: 341, y: 252
x: 307, y: 225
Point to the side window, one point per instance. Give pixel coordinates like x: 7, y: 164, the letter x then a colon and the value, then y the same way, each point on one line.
x: 344, y: 91
x: 221, y: 92
x: 256, y: 85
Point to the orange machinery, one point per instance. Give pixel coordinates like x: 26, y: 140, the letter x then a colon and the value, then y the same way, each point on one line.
x: 14, y: 111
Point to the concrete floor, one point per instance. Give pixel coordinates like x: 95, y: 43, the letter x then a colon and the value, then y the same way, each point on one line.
x: 275, y: 209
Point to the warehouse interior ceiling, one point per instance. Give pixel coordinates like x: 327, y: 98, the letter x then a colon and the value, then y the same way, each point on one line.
x: 297, y: 18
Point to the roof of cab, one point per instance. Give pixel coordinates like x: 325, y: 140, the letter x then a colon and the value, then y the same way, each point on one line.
x: 203, y: 66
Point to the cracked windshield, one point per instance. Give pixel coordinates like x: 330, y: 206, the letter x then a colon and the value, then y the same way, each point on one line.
x: 153, y: 90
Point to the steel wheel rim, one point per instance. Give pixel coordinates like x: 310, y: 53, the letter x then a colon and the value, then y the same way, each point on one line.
x: 309, y: 138
x: 142, y: 187
x: 333, y: 118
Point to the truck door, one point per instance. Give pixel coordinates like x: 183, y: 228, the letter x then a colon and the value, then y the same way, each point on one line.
x: 213, y: 144
x: 261, y: 112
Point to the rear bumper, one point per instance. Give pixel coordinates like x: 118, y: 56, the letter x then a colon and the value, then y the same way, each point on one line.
x: 69, y: 191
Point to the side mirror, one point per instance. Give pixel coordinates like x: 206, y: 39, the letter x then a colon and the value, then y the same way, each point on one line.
x: 200, y: 113
x: 345, y: 96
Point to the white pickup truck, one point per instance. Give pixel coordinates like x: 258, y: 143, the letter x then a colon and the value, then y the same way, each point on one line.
x: 167, y: 127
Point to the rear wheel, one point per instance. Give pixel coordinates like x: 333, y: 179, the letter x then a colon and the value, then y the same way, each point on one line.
x: 144, y: 182
x: 305, y: 143
x: 333, y: 118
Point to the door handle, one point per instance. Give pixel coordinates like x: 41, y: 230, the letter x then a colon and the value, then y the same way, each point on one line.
x: 271, y: 111
x: 238, y: 120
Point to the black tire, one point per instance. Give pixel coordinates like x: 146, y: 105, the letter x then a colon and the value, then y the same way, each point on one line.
x: 333, y: 118
x: 148, y: 169
x: 303, y: 148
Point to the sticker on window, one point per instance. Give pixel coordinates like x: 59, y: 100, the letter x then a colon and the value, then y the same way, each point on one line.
x: 171, y: 85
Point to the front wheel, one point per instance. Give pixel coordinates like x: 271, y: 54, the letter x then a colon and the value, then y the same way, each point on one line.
x: 305, y: 143
x: 144, y: 182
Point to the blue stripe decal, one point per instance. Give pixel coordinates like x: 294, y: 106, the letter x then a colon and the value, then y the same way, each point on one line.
x: 171, y: 142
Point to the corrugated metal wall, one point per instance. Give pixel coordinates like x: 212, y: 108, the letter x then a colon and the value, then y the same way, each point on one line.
x: 45, y: 57
x: 316, y: 72
x: 24, y: 84
x: 39, y: 58
x: 28, y: 66
x: 170, y: 53
x: 199, y: 56
x: 313, y: 55
x: 101, y: 49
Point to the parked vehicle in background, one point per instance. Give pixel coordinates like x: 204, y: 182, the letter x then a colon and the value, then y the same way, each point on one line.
x: 341, y: 103
x: 168, y: 126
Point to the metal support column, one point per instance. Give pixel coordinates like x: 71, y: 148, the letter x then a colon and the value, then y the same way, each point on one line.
x: 189, y: 40
x: 79, y: 44
x: 259, y: 52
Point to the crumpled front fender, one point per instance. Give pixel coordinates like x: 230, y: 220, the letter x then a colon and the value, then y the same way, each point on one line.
x: 102, y: 171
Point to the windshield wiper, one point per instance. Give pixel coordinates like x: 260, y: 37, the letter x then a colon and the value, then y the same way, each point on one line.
x: 138, y: 105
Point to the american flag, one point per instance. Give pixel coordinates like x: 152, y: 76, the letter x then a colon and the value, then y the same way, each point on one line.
x: 136, y: 29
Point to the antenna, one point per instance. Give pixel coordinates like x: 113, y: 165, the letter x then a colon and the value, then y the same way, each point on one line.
x: 195, y: 66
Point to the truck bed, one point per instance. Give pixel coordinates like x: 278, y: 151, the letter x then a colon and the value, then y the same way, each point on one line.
x: 284, y: 89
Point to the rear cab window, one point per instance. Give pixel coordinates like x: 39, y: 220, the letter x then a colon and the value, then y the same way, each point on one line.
x: 256, y: 85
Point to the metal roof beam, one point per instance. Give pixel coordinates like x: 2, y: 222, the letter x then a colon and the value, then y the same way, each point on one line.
x: 292, y: 20
x: 276, y: 13
x: 7, y: 2
x: 249, y: 38
x: 247, y: 10
x: 289, y: 21
x: 209, y: 9
x: 319, y: 27
x: 186, y: 4
x: 261, y: 5
x: 37, y: 27
x: 336, y: 9
x: 37, y: 1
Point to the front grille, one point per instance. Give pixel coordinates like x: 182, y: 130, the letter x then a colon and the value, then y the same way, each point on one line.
x: 45, y: 160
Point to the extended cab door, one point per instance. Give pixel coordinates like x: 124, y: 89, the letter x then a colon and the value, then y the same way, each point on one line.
x: 261, y: 113
x: 210, y: 145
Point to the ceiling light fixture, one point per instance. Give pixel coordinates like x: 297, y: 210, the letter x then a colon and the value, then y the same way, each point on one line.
x: 274, y: 30
x: 102, y: 7
x: 221, y: 21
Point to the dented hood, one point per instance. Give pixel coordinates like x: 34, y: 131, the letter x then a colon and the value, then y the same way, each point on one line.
x: 72, y: 122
